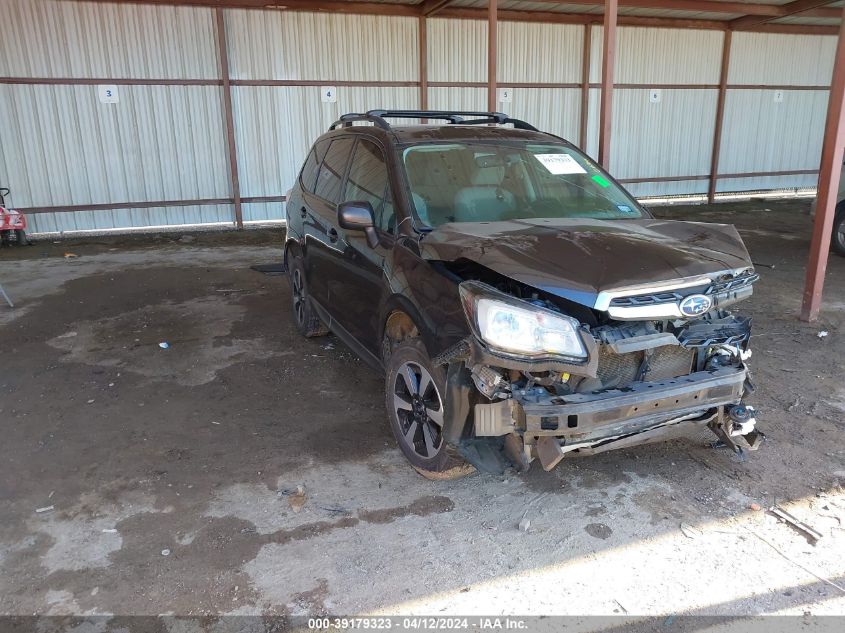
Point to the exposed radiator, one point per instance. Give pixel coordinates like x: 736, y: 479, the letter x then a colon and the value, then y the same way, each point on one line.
x: 620, y: 370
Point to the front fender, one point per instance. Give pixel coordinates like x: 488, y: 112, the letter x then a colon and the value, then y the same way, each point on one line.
x: 429, y: 298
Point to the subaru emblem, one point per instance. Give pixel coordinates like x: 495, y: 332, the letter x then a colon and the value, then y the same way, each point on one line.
x: 695, y: 305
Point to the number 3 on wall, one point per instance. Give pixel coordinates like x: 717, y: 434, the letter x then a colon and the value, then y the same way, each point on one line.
x: 107, y: 94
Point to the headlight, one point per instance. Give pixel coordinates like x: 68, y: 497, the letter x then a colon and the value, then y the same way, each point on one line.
x: 516, y: 327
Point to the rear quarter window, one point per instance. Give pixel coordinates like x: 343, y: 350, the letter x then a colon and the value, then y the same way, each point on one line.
x: 308, y: 177
x: 311, y: 168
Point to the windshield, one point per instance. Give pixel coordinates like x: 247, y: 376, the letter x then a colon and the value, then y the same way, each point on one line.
x: 479, y: 182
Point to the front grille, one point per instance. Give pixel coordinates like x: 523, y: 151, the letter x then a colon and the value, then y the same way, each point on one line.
x: 620, y: 370
x: 647, y: 300
x: 672, y: 296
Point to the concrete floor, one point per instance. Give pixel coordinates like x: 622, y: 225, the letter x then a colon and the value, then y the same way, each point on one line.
x: 172, y: 473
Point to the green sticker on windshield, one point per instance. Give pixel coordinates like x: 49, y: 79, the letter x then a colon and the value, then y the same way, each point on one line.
x: 601, y: 181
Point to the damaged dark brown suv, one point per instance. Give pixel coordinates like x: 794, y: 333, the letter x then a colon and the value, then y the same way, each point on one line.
x: 521, y: 303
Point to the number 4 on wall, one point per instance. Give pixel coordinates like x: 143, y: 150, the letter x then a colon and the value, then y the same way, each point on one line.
x: 328, y: 94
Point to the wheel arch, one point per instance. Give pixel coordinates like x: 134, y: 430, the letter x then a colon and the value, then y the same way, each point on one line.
x: 400, y: 321
x: 293, y: 245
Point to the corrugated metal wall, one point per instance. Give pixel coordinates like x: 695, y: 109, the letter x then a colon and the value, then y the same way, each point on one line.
x: 62, y: 147
x: 276, y: 125
x: 542, y: 54
x: 775, y: 129
x: 46, y: 38
x: 672, y: 137
x: 457, y: 50
x: 527, y: 54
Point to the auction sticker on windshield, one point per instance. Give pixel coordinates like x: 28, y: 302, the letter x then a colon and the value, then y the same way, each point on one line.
x: 560, y: 164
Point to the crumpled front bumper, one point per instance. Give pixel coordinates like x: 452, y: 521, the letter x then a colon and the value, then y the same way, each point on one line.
x: 551, y: 425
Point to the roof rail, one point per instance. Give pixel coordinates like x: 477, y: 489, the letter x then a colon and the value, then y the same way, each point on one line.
x: 454, y: 117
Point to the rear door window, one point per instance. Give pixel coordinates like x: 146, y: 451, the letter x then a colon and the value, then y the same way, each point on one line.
x: 368, y: 182
x: 333, y: 168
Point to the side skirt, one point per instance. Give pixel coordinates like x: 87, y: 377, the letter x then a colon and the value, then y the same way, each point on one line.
x: 340, y: 332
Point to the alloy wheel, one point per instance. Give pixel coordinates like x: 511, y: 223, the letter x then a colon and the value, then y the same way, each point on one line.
x: 299, y: 295
x: 419, y: 409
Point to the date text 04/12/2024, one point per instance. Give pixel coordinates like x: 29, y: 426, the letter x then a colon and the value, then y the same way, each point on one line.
x: 413, y: 623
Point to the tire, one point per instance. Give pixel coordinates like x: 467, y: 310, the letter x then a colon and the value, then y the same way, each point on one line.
x: 837, y: 239
x: 21, y: 237
x: 414, y: 402
x: 304, y: 315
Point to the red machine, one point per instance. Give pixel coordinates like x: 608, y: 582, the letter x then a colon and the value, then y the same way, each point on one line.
x: 11, y: 221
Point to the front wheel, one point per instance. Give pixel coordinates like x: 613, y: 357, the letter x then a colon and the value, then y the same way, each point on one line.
x: 837, y: 240
x: 415, y: 410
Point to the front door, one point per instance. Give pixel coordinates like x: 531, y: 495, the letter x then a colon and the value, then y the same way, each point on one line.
x: 357, y: 285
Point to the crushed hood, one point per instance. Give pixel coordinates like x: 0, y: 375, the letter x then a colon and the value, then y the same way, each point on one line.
x: 578, y: 258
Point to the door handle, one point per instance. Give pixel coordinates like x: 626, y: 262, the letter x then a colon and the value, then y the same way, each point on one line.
x: 332, y: 235
x: 303, y: 212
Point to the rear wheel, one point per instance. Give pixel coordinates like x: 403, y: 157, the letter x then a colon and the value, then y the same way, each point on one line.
x: 21, y: 237
x: 415, y: 410
x: 837, y: 241
x: 304, y: 315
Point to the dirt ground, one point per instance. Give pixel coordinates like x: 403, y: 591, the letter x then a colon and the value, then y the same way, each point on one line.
x: 170, y: 476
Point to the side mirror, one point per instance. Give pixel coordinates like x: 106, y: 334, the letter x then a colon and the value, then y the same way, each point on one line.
x: 358, y: 216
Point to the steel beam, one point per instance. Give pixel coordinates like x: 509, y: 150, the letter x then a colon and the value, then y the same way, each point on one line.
x: 431, y: 7
x: 585, y: 84
x: 608, y: 64
x: 492, y: 32
x: 755, y: 16
x: 799, y: 6
x: 829, y: 174
x: 230, y: 119
x: 720, y: 116
x: 423, y: 55
x: 710, y: 6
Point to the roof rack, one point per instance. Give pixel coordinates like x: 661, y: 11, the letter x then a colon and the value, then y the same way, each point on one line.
x: 454, y: 117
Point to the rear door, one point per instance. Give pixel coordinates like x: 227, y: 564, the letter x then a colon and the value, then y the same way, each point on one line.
x: 321, y: 208
x: 302, y: 219
x: 356, y: 286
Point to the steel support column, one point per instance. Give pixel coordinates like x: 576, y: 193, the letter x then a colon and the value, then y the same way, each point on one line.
x: 585, y: 84
x: 423, y: 54
x: 608, y: 63
x: 829, y: 172
x: 492, y: 29
x: 720, y: 116
x: 230, y: 119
